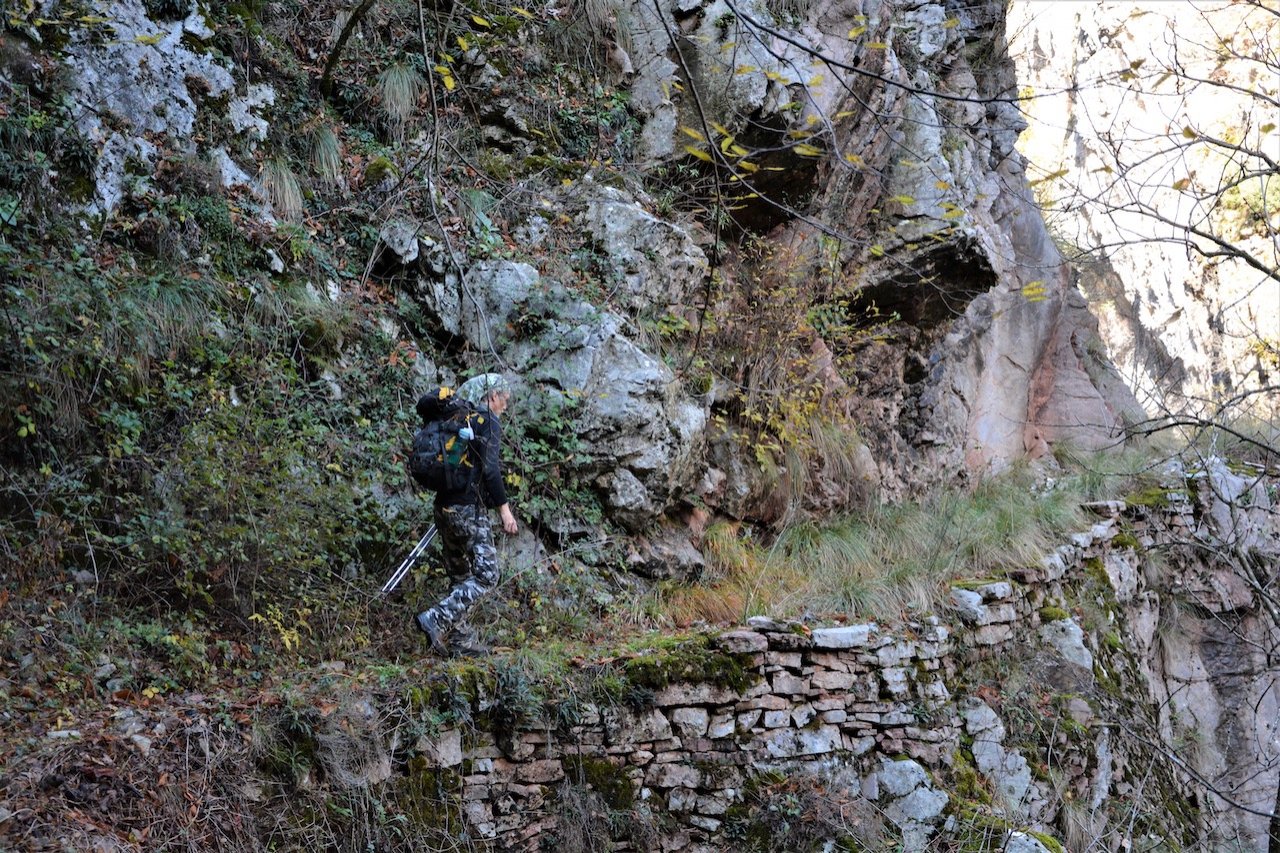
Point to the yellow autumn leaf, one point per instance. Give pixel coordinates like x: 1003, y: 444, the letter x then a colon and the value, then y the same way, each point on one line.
x: 481, y: 22
x: 855, y: 160
x: 698, y: 152
x: 806, y: 150
x: 857, y: 31
x: 745, y: 69
x: 941, y: 185
x: 720, y: 129
x: 151, y: 40
x: 738, y: 151
x: 522, y: 12
x: 693, y: 134
x: 464, y: 43
x: 877, y: 45
x: 904, y: 199
x: 877, y: 250
x: 950, y: 23
x: 726, y: 144
x: 748, y: 166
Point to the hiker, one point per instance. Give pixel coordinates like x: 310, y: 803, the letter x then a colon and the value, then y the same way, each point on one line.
x: 462, y: 519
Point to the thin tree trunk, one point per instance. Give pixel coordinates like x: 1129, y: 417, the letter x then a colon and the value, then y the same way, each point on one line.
x: 326, y: 79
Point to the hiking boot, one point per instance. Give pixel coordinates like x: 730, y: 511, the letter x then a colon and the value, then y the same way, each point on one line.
x: 429, y: 624
x: 466, y: 641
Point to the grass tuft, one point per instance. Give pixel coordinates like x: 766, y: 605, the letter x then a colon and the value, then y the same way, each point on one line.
x: 283, y: 189
x: 326, y: 154
x: 399, y: 87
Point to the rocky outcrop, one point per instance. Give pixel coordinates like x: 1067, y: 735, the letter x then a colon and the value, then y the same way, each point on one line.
x: 637, y: 437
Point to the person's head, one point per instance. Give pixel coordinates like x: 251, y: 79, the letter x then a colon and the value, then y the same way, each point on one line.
x: 488, y: 390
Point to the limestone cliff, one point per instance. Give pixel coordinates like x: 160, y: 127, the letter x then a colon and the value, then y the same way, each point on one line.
x: 1139, y: 119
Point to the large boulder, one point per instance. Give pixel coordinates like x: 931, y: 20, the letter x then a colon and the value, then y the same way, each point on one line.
x: 638, y: 438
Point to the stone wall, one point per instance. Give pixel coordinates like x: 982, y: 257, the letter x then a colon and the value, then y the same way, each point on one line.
x: 880, y: 714
x: 926, y: 725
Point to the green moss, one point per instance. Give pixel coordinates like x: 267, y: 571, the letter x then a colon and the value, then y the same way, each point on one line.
x: 966, y: 781
x: 431, y: 797
x: 1051, y: 844
x: 695, y: 661
x: 607, y: 779
x: 975, y: 583
x: 1156, y: 497
x: 378, y: 169
x: 1125, y: 539
x: 1053, y: 613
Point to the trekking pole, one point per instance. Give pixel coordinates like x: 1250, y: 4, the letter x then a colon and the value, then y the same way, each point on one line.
x: 394, y: 580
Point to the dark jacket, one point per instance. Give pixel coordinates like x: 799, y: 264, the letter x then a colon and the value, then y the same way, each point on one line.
x: 486, y: 486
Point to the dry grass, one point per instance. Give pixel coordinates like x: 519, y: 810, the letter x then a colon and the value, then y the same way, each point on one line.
x: 399, y: 87
x: 326, y: 154
x: 884, y: 561
x: 283, y: 189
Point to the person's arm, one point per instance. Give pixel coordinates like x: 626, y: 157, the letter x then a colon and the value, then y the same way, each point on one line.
x: 493, y: 489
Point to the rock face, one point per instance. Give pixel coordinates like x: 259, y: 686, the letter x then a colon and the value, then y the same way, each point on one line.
x: 639, y: 439
x: 1181, y: 327
x: 985, y: 351
x: 141, y: 76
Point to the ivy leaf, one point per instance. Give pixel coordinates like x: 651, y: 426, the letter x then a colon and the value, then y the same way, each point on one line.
x: 9, y: 207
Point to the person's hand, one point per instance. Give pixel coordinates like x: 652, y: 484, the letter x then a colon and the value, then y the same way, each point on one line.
x: 508, y: 520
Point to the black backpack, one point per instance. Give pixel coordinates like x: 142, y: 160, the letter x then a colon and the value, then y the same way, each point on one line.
x: 443, y: 459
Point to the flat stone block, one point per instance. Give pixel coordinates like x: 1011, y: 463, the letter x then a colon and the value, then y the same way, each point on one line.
x: 788, y: 660
x: 833, y: 681
x: 847, y: 637
x: 776, y: 719
x: 547, y: 770
x: 743, y: 642
x: 690, y: 722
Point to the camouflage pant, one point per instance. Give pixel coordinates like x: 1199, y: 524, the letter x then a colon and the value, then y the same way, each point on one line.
x: 470, y: 559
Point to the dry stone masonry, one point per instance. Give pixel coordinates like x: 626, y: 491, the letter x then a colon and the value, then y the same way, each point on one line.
x: 893, y: 719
